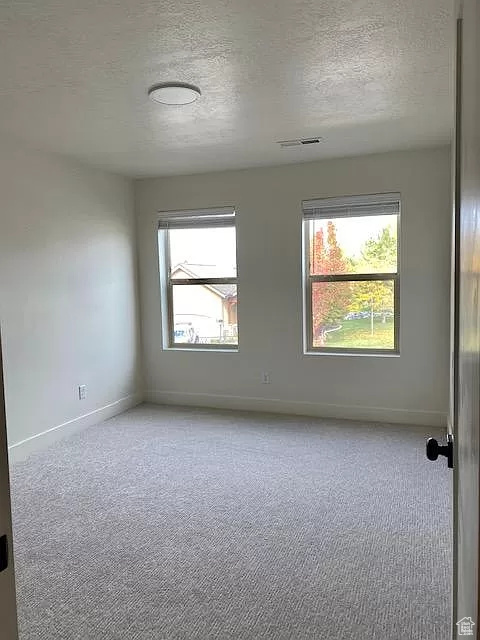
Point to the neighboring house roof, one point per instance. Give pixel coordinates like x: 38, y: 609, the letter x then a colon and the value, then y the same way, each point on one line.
x: 205, y: 271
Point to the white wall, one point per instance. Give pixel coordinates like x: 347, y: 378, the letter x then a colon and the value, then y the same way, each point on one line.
x: 68, y: 291
x: 410, y: 388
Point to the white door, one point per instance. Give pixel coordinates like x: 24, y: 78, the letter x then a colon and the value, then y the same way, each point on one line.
x: 466, y: 425
x: 8, y: 607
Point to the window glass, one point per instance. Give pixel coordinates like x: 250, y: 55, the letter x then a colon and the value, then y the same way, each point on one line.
x: 353, y: 315
x: 205, y: 314
x: 200, y: 301
x: 352, y: 279
x: 353, y: 245
x: 206, y: 252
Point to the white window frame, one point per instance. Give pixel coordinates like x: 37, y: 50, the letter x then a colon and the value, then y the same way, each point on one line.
x: 348, y: 207
x: 189, y: 219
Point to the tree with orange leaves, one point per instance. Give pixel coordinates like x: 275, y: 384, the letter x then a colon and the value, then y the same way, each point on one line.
x: 330, y: 300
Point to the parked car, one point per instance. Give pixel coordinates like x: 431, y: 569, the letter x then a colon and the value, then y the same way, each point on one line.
x: 357, y: 315
x: 185, y: 333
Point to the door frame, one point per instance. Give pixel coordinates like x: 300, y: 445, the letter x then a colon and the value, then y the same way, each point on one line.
x: 8, y: 603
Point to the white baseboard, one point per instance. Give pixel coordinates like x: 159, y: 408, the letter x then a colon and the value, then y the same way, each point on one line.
x: 293, y: 407
x: 21, y: 450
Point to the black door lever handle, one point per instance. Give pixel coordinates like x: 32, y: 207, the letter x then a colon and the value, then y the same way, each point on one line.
x: 3, y: 553
x: 434, y: 450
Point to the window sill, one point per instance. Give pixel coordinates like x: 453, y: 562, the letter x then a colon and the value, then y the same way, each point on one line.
x: 355, y: 354
x: 200, y: 350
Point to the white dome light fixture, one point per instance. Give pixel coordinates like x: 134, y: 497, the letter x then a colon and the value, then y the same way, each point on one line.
x: 174, y: 93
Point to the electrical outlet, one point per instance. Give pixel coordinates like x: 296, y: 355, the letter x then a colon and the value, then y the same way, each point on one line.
x: 265, y: 377
x: 82, y: 392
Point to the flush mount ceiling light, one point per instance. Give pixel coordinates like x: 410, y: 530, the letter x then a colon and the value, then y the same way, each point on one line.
x: 175, y: 93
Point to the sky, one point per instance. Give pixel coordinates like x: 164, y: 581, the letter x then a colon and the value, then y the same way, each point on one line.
x: 205, y: 246
x: 218, y: 246
x: 352, y: 233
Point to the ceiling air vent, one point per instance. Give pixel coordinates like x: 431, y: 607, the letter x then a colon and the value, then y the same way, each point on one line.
x: 298, y: 142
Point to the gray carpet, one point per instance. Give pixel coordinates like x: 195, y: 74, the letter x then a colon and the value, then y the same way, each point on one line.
x: 178, y: 523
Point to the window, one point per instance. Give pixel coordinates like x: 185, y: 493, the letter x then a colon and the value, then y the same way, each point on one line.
x: 199, y: 278
x: 352, y: 274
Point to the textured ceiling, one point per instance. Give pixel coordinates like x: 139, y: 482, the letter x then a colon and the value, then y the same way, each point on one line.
x: 366, y: 75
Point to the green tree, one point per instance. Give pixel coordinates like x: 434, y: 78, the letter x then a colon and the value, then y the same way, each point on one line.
x: 378, y: 255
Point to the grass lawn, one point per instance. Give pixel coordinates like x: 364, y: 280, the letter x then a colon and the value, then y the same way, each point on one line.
x: 357, y: 333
